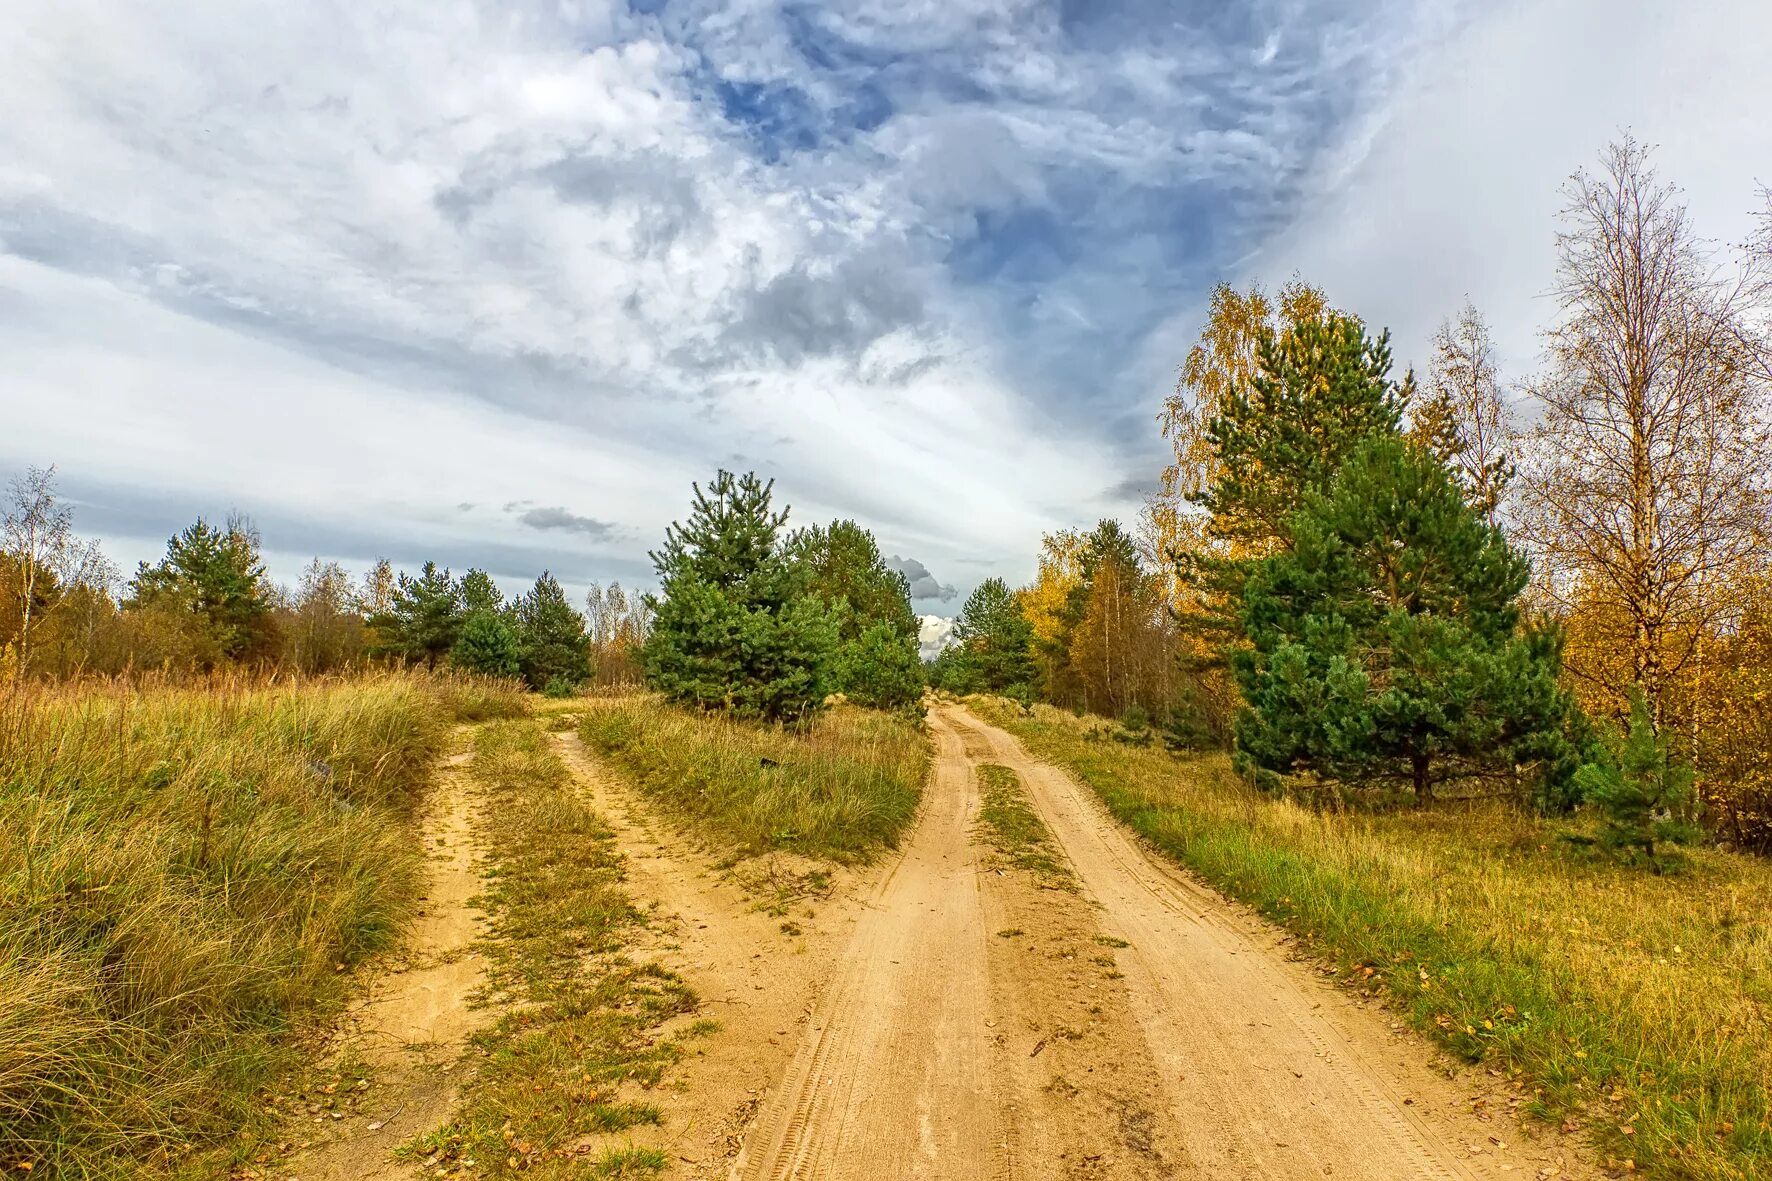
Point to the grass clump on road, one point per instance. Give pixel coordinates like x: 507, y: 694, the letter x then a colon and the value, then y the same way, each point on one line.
x: 577, y: 1042
x: 183, y: 875
x: 1639, y: 1006
x: 842, y: 787
x: 1016, y: 831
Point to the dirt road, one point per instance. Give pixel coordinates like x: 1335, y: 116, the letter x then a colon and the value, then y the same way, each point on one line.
x: 416, y: 1017
x: 1195, y: 1049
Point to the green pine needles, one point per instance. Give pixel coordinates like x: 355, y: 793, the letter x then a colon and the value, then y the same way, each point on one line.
x: 1642, y: 793
x: 735, y: 628
x: 1386, y: 644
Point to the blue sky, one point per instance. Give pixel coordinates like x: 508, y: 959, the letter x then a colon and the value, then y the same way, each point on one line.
x: 492, y: 283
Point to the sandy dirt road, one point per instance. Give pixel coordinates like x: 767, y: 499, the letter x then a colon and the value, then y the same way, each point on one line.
x: 1265, y: 1072
x: 417, y: 1015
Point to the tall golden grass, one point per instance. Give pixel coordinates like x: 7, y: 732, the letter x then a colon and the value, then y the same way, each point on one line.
x: 842, y: 787
x: 184, y: 874
x: 1639, y: 1005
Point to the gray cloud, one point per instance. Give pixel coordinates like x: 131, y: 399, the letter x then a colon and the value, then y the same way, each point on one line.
x: 556, y: 517
x: 924, y: 585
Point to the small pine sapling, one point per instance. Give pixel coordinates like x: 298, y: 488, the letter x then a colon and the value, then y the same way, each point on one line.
x: 1642, y: 793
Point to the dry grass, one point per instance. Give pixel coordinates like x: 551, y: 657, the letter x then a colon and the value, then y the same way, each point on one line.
x: 1640, y: 1006
x: 183, y: 873
x: 843, y: 788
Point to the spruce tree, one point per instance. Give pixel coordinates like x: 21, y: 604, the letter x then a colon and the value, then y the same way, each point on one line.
x: 1387, y: 642
x: 734, y: 625
x: 551, y: 636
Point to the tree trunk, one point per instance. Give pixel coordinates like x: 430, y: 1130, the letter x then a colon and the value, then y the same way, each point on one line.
x: 1424, y: 788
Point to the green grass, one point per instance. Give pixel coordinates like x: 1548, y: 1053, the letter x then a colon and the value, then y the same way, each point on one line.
x: 1638, y: 1006
x: 843, y: 788
x: 185, y: 874
x: 1016, y: 831
x: 577, y: 1046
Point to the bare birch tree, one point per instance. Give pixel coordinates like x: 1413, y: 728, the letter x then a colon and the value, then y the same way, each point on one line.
x: 1464, y: 405
x: 1648, y: 476
x: 47, y: 559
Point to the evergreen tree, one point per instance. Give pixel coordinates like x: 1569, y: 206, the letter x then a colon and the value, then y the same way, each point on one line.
x: 479, y: 593
x: 734, y: 626
x: 214, y: 576
x: 1322, y: 389
x: 488, y: 645
x: 423, y: 619
x: 879, y: 668
x: 551, y: 636
x: 877, y: 661
x: 992, y: 644
x: 1643, y: 794
x: 1386, y: 640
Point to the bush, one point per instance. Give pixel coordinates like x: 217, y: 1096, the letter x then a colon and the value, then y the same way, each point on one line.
x: 1643, y: 795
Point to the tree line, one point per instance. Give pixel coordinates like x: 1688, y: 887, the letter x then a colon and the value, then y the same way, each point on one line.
x: 1553, y: 587
x: 750, y: 617
x: 207, y: 605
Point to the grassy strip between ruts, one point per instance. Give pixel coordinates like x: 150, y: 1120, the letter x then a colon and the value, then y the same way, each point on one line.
x: 577, y: 1044
x: 1015, y: 830
x: 1638, y: 1006
x: 843, y: 787
x: 184, y: 872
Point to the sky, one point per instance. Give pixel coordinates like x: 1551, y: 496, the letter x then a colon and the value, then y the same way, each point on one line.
x: 492, y: 283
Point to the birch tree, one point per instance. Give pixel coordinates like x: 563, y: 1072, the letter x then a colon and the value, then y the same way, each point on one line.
x: 1648, y: 481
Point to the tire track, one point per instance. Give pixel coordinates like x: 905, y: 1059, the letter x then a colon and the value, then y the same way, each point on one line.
x: 895, y: 1079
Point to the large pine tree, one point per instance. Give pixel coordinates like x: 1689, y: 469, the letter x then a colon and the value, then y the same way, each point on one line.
x: 993, y: 644
x: 1387, y: 643
x: 734, y: 626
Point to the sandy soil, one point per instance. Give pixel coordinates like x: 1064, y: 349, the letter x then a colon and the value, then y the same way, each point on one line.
x: 415, y: 1018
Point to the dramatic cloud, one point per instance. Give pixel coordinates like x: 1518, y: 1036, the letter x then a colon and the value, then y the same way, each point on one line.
x: 924, y: 585
x: 930, y: 265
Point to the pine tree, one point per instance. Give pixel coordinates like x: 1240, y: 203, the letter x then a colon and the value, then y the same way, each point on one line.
x: 734, y: 627
x: 1387, y: 643
x: 1322, y: 388
x: 877, y: 662
x: 551, y: 636
x: 479, y: 593
x: 423, y: 619
x: 992, y: 644
x: 215, y: 576
x: 488, y: 645
x: 1643, y: 794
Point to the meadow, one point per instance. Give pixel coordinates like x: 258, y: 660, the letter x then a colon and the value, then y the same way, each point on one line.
x: 842, y: 787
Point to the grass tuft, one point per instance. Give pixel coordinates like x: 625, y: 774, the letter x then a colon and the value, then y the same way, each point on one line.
x: 1639, y: 1006
x: 843, y: 788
